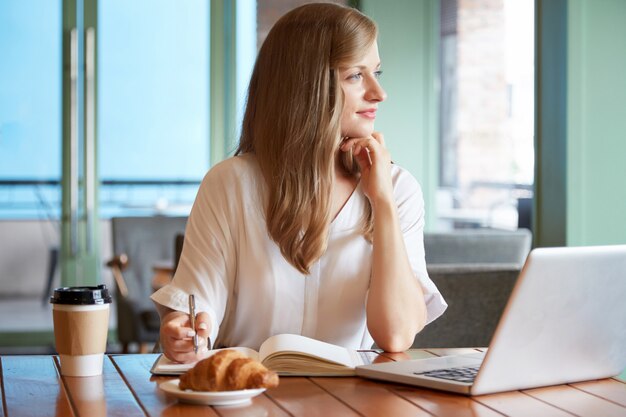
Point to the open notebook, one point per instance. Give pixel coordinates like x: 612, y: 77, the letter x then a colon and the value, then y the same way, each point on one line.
x: 289, y: 354
x: 565, y: 322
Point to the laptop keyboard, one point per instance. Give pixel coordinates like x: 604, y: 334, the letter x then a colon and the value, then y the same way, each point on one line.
x: 463, y: 374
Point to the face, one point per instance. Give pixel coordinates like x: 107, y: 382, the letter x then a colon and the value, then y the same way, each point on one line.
x: 362, y: 94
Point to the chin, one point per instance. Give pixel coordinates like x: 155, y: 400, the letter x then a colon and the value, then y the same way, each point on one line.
x: 357, y: 133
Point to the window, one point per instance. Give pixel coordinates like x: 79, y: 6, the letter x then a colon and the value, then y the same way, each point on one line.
x: 153, y: 105
x: 153, y: 132
x: 486, y: 114
x: 30, y: 110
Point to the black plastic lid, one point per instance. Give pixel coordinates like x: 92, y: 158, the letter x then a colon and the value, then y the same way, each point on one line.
x: 81, y: 295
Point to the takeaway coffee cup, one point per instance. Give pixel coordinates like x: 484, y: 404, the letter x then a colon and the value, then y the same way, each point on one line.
x: 81, y: 324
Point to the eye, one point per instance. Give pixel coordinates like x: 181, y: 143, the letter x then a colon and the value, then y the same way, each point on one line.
x: 377, y: 74
x: 356, y: 76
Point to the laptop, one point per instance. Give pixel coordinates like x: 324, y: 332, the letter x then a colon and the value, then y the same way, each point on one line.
x: 565, y: 322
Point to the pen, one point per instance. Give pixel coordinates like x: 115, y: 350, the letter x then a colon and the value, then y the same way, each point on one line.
x: 192, y: 318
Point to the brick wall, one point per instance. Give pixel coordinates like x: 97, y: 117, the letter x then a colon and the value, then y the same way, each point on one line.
x: 484, y: 144
x: 269, y: 11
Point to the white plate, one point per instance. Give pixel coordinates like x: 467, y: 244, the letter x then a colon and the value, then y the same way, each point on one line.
x: 210, y: 397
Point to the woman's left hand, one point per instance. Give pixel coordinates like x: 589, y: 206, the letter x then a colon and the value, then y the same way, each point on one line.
x: 375, y: 163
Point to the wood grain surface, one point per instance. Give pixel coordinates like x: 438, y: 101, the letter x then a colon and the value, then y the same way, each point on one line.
x: 33, y: 386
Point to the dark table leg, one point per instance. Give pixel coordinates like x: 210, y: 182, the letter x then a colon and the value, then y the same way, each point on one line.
x: 53, y: 257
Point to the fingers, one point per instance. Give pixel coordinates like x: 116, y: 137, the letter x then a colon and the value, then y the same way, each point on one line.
x: 177, y: 336
x: 367, y: 150
x: 177, y: 325
x: 185, y: 346
x: 357, y: 145
x: 203, y: 324
x: 379, y: 137
x: 372, y: 143
x: 187, y: 355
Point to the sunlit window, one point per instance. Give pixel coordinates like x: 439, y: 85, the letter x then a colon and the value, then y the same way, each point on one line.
x: 153, y: 105
x: 30, y: 110
x: 486, y: 114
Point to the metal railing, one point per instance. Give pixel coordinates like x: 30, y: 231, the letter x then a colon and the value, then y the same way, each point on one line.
x: 36, y: 198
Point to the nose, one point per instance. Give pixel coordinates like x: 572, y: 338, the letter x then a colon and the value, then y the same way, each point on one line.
x: 375, y: 92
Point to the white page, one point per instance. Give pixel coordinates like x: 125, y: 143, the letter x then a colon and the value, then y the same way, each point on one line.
x: 297, y: 343
x: 166, y: 365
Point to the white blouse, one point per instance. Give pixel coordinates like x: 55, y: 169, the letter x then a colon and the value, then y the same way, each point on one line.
x: 250, y: 291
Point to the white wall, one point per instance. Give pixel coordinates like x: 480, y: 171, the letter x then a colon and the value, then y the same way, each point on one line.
x: 24, y: 256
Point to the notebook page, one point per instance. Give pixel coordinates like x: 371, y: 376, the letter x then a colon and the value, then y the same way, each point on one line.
x: 312, y: 347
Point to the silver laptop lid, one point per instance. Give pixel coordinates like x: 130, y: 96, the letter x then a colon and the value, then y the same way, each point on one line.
x: 565, y: 321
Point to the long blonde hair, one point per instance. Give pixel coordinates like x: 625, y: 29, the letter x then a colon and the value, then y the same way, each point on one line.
x: 292, y: 122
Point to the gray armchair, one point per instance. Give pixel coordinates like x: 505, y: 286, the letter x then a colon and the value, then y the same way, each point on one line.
x: 475, y: 270
x: 145, y: 241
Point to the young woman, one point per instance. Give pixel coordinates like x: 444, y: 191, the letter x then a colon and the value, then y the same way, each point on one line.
x: 310, y: 229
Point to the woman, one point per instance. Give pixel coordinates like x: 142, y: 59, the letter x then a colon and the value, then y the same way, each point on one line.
x: 310, y: 229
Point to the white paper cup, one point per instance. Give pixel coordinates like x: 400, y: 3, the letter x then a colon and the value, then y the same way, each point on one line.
x: 81, y: 325
x: 82, y: 365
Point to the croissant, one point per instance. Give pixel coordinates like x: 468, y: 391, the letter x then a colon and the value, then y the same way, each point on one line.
x: 228, y: 370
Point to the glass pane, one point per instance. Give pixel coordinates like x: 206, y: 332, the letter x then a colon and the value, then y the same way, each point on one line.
x: 30, y: 161
x: 30, y: 109
x: 153, y: 104
x: 487, y: 110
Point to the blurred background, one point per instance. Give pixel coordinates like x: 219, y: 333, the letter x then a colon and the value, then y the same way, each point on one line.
x: 112, y: 109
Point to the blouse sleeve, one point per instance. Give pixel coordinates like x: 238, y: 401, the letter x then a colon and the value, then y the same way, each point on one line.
x: 207, y: 263
x: 410, y: 201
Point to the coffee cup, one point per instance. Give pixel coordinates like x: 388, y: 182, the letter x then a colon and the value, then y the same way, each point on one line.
x: 81, y: 325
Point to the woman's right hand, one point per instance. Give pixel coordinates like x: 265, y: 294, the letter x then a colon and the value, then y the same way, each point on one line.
x: 375, y: 163
x: 177, y: 336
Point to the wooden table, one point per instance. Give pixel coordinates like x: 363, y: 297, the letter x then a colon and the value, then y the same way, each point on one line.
x: 32, y: 386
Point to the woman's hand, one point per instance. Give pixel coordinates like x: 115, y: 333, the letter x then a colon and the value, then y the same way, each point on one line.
x: 375, y: 163
x: 177, y: 336
x: 395, y: 307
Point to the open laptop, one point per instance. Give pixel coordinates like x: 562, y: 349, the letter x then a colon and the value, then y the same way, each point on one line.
x: 565, y: 321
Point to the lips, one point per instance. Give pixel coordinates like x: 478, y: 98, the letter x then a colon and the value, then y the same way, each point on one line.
x: 368, y: 113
